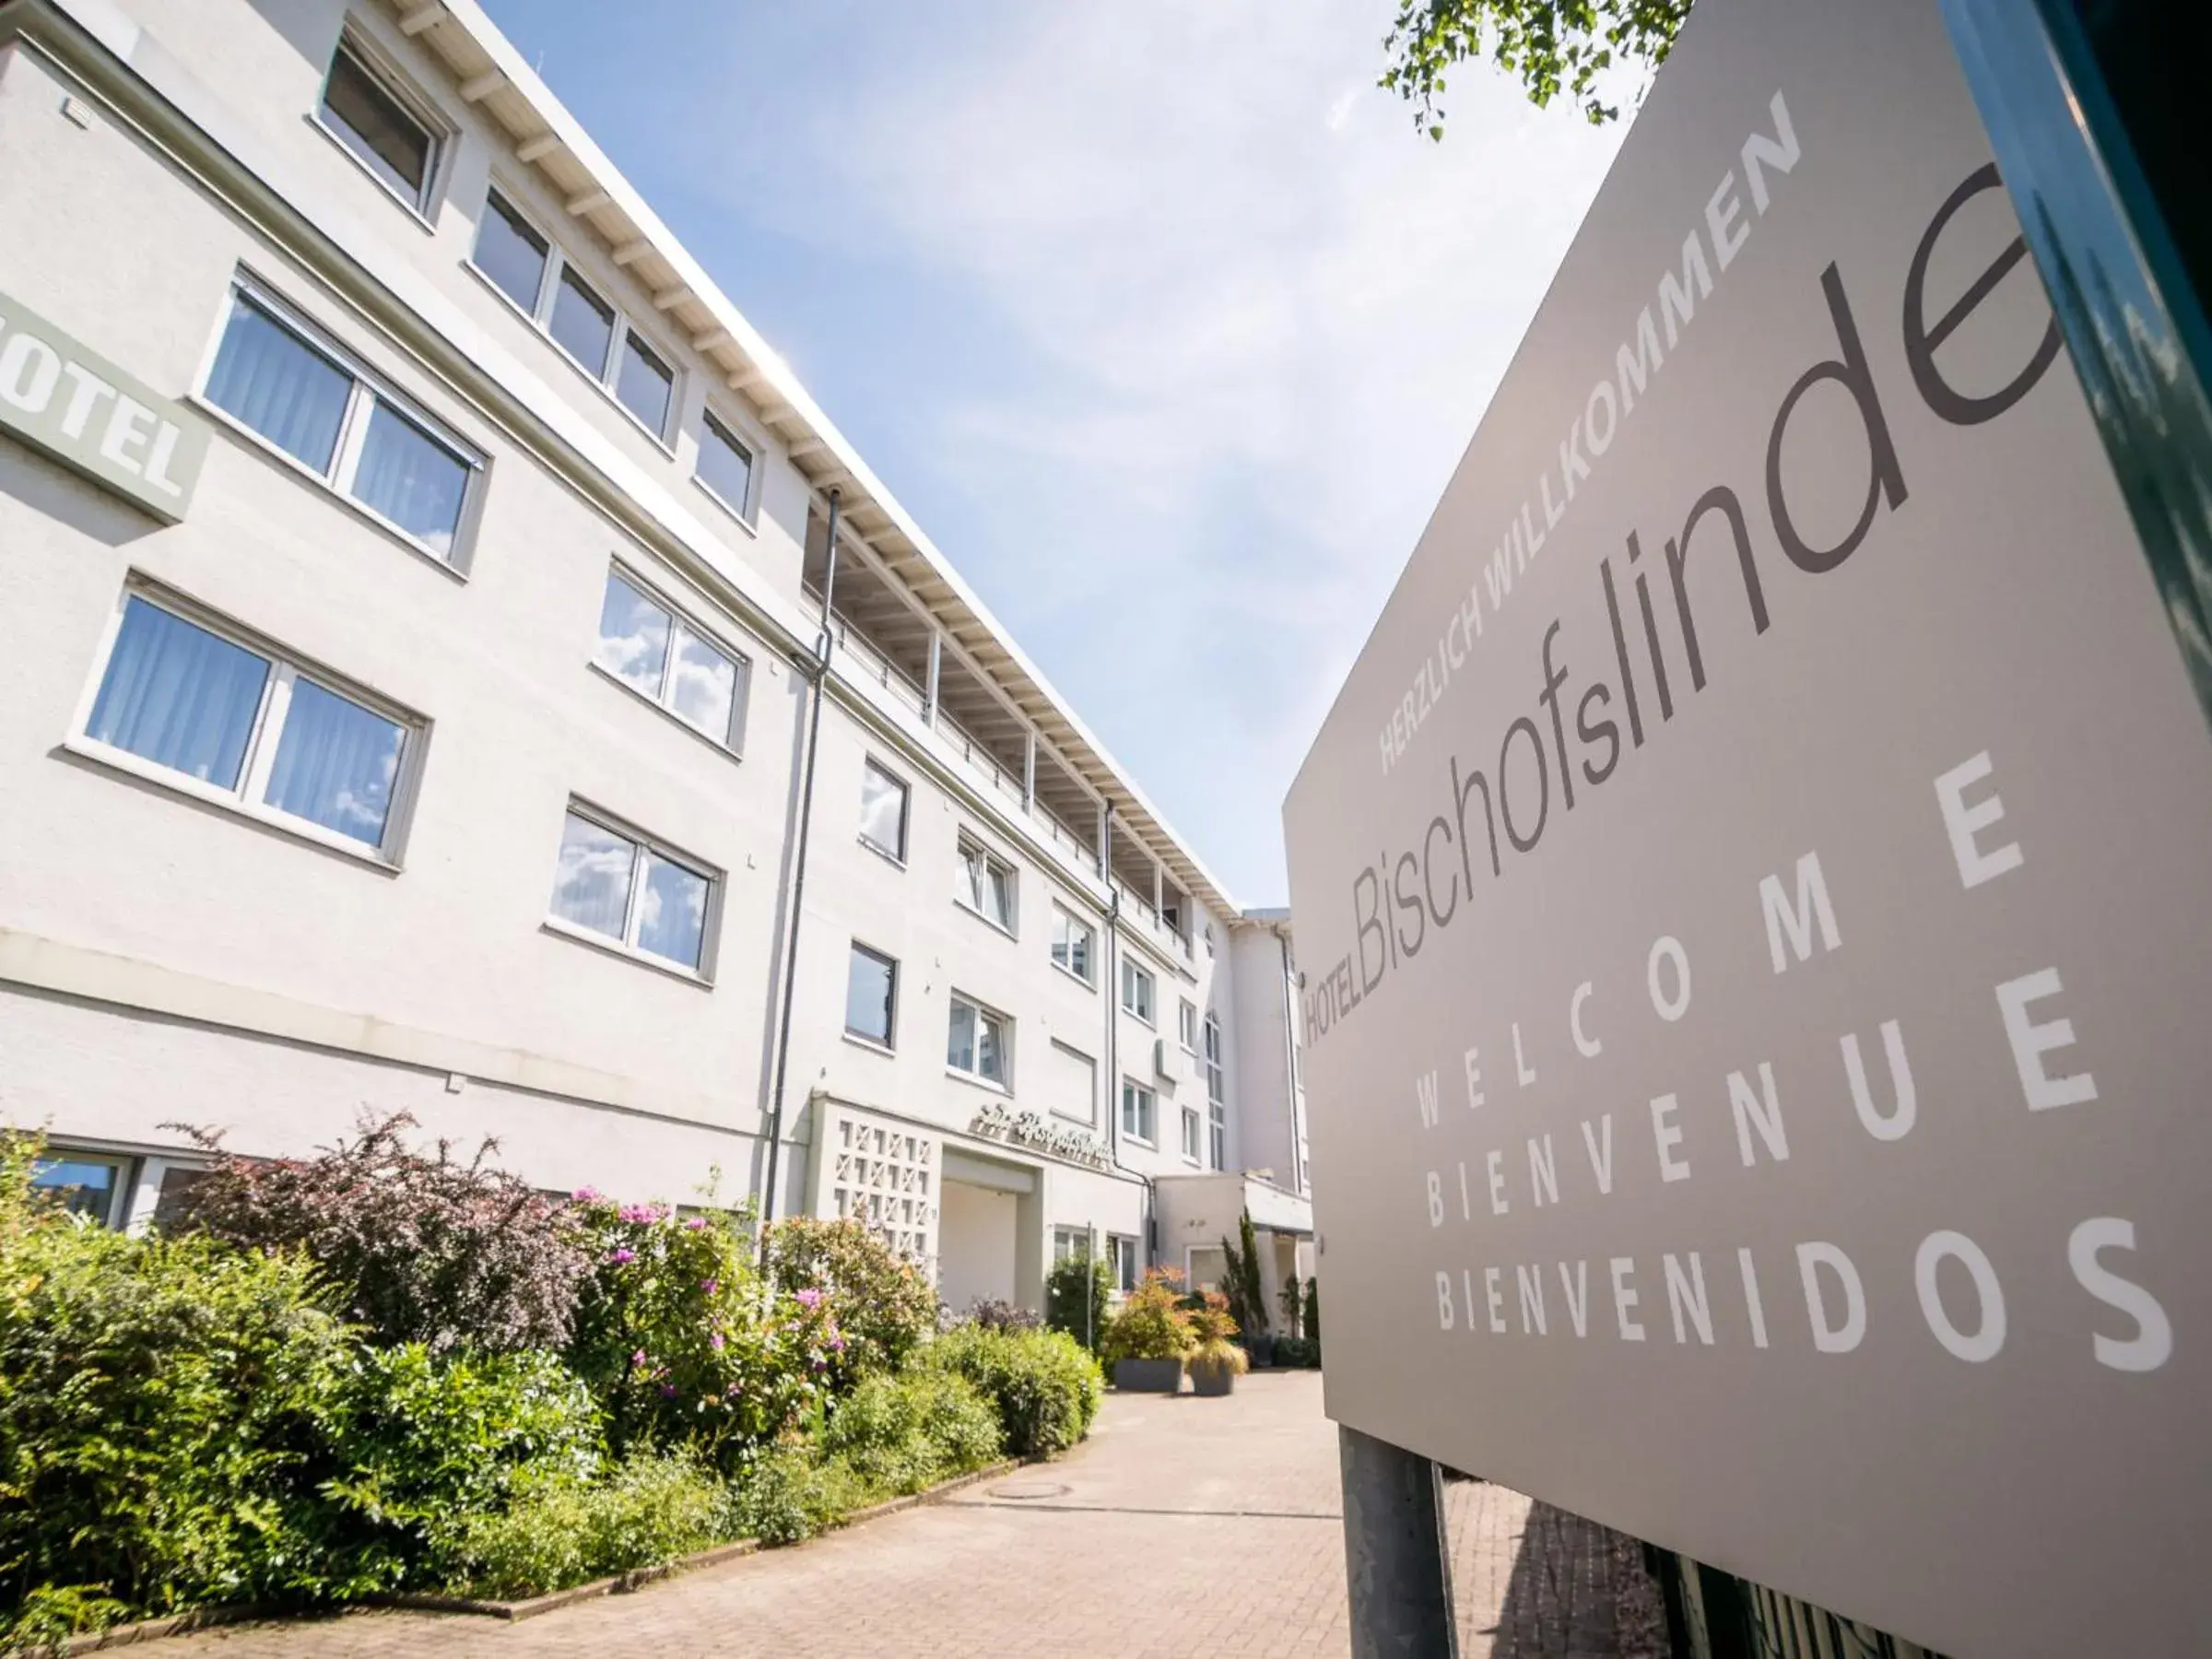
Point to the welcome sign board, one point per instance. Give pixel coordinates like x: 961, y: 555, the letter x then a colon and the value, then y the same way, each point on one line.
x: 1757, y: 1010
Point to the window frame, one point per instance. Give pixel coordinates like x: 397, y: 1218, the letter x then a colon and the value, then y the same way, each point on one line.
x: 377, y: 64
x: 888, y: 1042
x: 248, y: 799
x: 1082, y: 1238
x: 971, y: 846
x: 1135, y: 972
x: 121, y: 1196
x: 746, y: 511
x: 368, y: 388
x: 539, y: 315
x: 1089, y: 1119
x: 1216, y: 1135
x: 868, y: 763
x: 1193, y: 1137
x: 1186, y: 1025
x: 1143, y: 1097
x: 1217, y: 1092
x: 982, y: 1011
x: 626, y: 947
x: 1124, y: 1257
x: 1062, y: 914
x: 680, y: 620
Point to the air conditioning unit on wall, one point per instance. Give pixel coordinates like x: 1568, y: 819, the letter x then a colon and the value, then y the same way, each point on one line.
x: 1168, y: 1061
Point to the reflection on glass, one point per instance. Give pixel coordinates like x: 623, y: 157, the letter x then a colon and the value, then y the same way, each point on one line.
x: 512, y: 253
x: 704, y: 691
x: 411, y: 478
x: 882, y: 810
x: 644, y: 384
x: 959, y: 1039
x: 85, y: 1186
x: 726, y: 465
x: 179, y: 696
x: 337, y: 763
x: 590, y: 884
x: 582, y: 321
x: 376, y: 127
x: 278, y: 385
x: 672, y: 921
x: 633, y: 637
x: 868, y: 986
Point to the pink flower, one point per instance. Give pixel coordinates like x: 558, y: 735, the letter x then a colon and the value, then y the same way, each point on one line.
x: 810, y: 1298
x: 623, y: 1257
x: 697, y: 1224
x: 667, y: 1390
x: 718, y: 1342
x: 639, y: 1215
x: 837, y: 1345
x: 587, y: 1195
x: 709, y: 1285
x: 638, y: 1358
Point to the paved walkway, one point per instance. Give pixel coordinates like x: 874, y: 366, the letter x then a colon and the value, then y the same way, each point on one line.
x: 1185, y: 1527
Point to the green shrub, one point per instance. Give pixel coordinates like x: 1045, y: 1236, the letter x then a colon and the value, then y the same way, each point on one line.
x: 654, y: 1508
x: 786, y: 1493
x: 1296, y: 1351
x: 907, y: 1432
x: 1046, y: 1387
x: 160, y: 1404
x: 425, y: 1445
x: 1151, y: 1322
x: 884, y: 1304
x: 1076, y: 1294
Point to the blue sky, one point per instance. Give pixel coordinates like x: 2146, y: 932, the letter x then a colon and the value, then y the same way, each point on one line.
x: 1159, y: 316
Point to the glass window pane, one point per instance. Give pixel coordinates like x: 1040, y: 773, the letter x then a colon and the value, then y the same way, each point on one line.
x: 704, y: 690
x: 179, y: 696
x: 591, y: 885
x: 726, y: 465
x: 882, y: 810
x: 377, y: 127
x: 279, y: 386
x: 337, y: 763
x: 1190, y: 1133
x: 644, y: 383
x: 84, y: 1185
x: 510, y: 254
x: 868, y: 986
x: 672, y: 922
x: 411, y: 478
x: 990, y: 1047
x: 999, y: 894
x: 633, y: 637
x: 582, y: 321
x: 959, y: 1038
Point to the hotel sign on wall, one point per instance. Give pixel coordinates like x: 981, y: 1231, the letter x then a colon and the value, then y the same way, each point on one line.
x: 1758, y: 1008
x: 89, y: 415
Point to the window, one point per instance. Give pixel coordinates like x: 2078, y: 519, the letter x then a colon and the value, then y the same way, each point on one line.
x: 1126, y: 1260
x: 1216, y: 1130
x: 376, y: 124
x: 530, y: 269
x: 1136, y: 990
x: 1140, y: 1112
x: 85, y: 1184
x: 976, y: 1042
x: 1186, y: 1025
x: 883, y: 811
x: 1071, y: 1243
x: 298, y: 393
x: 726, y: 466
x: 871, y: 995
x: 1072, y: 944
x: 1213, y: 1058
x: 1217, y: 1104
x: 1074, y: 1089
x: 1189, y: 1135
x: 657, y: 653
x: 624, y: 889
x: 239, y: 723
x: 1208, y: 1267
x: 984, y: 883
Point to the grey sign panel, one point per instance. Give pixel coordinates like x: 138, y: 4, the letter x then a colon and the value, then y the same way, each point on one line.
x: 1752, y: 893
x: 89, y: 415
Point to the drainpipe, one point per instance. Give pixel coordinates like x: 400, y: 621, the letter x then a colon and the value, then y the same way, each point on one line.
x: 1290, y: 1060
x: 1114, y: 1023
x: 819, y: 667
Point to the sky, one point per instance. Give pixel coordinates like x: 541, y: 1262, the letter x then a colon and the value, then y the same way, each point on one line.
x: 1160, y: 317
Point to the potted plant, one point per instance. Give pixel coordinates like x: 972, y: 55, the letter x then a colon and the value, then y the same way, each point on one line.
x: 1214, y: 1359
x: 1148, y: 1335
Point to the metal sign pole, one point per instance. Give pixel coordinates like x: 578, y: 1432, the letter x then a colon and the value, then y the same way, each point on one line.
x: 1396, y: 1558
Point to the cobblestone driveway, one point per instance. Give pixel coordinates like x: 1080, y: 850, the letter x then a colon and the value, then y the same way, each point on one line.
x: 1185, y: 1527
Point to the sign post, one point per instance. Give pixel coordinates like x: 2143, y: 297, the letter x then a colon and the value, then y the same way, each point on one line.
x: 1755, y: 1011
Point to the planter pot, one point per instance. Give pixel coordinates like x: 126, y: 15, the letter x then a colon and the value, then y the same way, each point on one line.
x: 1211, y: 1381
x: 1147, y: 1376
x: 1262, y: 1349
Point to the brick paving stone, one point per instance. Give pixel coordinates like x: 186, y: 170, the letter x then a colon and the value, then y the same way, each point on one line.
x: 1188, y: 1528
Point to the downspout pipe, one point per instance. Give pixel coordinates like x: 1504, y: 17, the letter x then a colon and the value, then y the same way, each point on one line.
x: 815, y: 673
x: 1113, y: 1031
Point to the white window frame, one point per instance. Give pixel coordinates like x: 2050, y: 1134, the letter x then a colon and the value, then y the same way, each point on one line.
x: 746, y: 511
x: 249, y: 799
x: 1134, y: 973
x: 121, y: 1196
x: 368, y: 388
x: 1186, y: 1025
x: 539, y: 315
x: 1193, y: 1137
x: 1081, y: 1238
x: 681, y: 622
x: 971, y: 847
x: 1217, y: 1135
x: 627, y: 947
x: 1216, y: 1098
x: 1089, y: 1119
x: 1125, y: 1258
x: 906, y: 811
x: 888, y: 1042
x: 1136, y: 1094
x: 982, y: 1011
x: 423, y: 110
x: 1065, y: 922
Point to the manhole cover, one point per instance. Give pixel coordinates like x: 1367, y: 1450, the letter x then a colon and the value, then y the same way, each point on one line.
x: 1029, y: 1490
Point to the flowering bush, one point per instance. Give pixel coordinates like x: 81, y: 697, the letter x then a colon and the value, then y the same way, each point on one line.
x: 1151, y: 1322
x: 420, y: 1248
x: 884, y: 1303
x: 994, y: 1315
x: 683, y: 1343
x: 1213, y: 1331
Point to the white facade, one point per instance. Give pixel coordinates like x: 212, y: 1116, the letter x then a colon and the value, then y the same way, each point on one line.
x: 461, y: 383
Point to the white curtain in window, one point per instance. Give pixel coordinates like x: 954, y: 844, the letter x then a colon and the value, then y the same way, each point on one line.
x: 336, y: 764
x: 271, y: 379
x: 179, y: 696
x: 591, y: 886
x: 411, y: 478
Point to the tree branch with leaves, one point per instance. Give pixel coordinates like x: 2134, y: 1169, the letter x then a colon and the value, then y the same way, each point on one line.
x: 1554, y: 46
